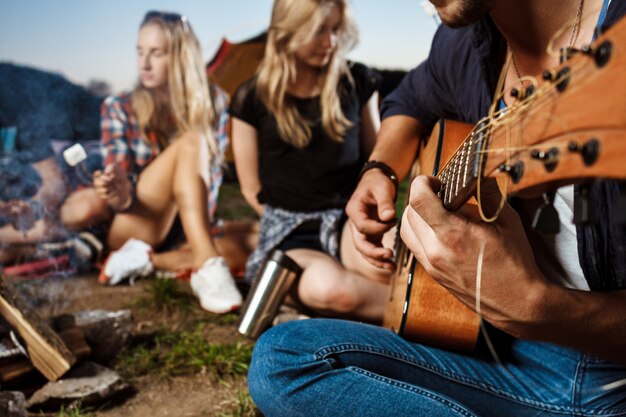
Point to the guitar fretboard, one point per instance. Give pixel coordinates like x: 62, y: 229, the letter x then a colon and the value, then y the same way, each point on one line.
x: 459, y: 175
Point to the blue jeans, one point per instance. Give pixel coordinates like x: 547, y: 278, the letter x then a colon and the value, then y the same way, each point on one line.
x: 338, y: 368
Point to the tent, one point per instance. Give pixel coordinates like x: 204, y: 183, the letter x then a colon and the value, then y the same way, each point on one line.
x: 234, y: 63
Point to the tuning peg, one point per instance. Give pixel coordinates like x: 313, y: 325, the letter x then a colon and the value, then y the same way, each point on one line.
x: 589, y: 150
x: 603, y: 53
x: 549, y: 75
x: 583, y: 213
x: 515, y: 171
x: 546, y: 218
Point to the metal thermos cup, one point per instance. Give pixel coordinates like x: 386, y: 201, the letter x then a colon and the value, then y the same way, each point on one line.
x: 267, y: 293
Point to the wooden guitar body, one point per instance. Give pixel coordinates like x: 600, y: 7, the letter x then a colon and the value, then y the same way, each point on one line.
x: 570, y: 129
x: 420, y: 309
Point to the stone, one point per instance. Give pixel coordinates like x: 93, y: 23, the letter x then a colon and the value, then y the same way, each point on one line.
x: 12, y: 404
x: 106, y: 332
x: 89, y: 383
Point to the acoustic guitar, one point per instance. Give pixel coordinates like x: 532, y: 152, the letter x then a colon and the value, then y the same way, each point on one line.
x: 568, y: 129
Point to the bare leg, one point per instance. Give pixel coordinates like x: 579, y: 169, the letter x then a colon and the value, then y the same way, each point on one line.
x: 170, y: 184
x: 174, y: 260
x: 190, y: 191
x: 352, y: 290
x: 83, y: 208
x: 235, y: 245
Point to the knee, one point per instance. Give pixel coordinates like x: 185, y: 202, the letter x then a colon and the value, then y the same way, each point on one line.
x: 282, y: 359
x: 330, y: 294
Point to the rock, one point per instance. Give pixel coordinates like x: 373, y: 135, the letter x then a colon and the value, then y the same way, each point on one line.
x: 106, y: 332
x: 89, y: 383
x: 12, y: 404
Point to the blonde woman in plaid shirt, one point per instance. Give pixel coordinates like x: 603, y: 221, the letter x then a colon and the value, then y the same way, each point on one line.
x: 163, y: 147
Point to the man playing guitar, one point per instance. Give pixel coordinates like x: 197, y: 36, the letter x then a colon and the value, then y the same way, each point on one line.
x: 564, y: 308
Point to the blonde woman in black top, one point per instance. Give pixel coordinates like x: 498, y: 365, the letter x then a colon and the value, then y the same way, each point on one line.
x: 302, y: 129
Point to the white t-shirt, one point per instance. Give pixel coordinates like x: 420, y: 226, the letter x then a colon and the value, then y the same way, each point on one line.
x: 557, y: 255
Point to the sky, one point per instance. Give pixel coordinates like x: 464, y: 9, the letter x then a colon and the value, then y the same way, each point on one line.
x: 95, y: 40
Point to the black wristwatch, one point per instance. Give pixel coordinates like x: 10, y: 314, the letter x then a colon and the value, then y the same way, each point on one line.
x: 386, y: 169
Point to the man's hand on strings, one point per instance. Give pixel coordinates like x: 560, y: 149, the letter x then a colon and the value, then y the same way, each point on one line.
x: 447, y: 244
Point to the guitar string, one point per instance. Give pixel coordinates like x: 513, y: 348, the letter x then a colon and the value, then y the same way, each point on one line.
x: 546, y: 87
x: 499, y: 117
x: 493, y: 123
x: 483, y: 328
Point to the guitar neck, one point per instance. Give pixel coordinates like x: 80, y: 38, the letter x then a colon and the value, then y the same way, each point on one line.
x: 460, y: 174
x: 568, y: 129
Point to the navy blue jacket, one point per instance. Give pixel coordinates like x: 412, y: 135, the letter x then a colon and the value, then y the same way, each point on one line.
x: 458, y: 81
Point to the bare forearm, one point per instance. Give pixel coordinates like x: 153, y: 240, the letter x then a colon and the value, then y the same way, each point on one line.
x: 397, y: 143
x: 251, y: 198
x: 591, y: 322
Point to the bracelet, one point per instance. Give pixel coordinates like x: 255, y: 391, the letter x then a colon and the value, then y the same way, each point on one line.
x: 386, y: 169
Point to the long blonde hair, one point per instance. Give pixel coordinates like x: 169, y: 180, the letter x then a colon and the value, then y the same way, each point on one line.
x: 294, y: 23
x: 190, y: 106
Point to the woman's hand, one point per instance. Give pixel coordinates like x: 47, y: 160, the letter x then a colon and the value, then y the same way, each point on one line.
x: 114, y: 187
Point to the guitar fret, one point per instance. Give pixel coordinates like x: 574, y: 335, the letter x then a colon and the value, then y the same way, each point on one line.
x: 442, y: 192
x: 447, y: 183
x: 467, y: 150
x: 457, y: 168
x: 455, y: 173
x: 476, y: 157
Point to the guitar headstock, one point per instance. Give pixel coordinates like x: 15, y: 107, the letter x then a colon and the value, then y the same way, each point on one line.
x: 569, y: 128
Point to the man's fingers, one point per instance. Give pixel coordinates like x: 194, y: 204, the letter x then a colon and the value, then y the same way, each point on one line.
x: 373, y: 252
x: 370, y: 227
x: 384, y: 203
x: 425, y: 202
x: 413, y: 231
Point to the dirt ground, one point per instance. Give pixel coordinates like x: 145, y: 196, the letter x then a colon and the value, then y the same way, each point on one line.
x: 194, y: 394
x: 157, y: 309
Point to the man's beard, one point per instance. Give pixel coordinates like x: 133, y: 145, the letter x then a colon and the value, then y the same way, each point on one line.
x: 467, y: 12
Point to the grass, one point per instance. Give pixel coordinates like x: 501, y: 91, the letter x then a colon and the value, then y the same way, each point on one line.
x: 401, y: 200
x: 244, y: 407
x: 165, y: 295
x: 74, y: 410
x: 232, y: 205
x: 178, y: 353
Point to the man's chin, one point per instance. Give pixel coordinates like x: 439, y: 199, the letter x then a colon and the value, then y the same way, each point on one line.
x: 462, y: 13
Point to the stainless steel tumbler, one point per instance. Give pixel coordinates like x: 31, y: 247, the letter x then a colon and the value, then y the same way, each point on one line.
x: 267, y: 293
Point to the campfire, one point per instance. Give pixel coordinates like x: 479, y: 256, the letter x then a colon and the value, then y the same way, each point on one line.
x: 69, y: 350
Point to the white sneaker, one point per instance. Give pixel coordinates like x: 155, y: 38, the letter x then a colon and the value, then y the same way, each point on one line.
x: 128, y: 262
x: 215, y: 287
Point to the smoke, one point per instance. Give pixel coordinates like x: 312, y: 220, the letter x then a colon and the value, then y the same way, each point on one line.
x: 37, y: 107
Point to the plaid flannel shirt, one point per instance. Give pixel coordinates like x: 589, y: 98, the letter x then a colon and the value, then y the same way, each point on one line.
x: 277, y: 224
x: 122, y: 144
